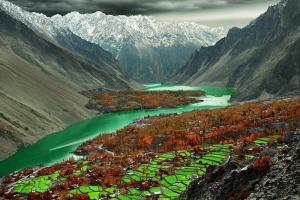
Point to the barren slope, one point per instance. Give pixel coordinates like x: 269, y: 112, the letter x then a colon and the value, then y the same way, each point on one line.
x: 40, y: 83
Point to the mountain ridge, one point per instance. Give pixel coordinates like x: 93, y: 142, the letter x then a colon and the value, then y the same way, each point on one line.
x: 258, y: 60
x: 147, y: 50
x: 41, y: 79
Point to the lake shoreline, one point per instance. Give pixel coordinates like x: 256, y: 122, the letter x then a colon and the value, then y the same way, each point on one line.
x: 60, y: 145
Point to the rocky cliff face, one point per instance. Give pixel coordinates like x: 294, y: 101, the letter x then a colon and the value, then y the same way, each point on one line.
x: 259, y: 60
x: 40, y: 81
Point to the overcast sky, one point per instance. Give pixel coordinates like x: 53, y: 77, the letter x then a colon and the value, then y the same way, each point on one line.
x: 225, y: 13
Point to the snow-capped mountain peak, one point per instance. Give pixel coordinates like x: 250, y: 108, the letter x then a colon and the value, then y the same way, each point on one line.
x: 147, y: 49
x: 146, y: 29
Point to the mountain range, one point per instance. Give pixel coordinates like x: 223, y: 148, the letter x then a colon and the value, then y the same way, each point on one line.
x: 41, y: 76
x: 147, y: 50
x: 260, y: 60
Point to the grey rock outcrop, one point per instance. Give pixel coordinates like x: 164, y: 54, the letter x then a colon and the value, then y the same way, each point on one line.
x: 225, y: 182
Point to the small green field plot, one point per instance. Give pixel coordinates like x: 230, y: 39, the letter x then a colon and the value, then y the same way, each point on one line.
x: 248, y: 156
x: 85, y: 167
x: 155, y: 190
x: 94, y: 192
x: 42, y: 183
x: 213, y: 158
x: 36, y: 184
x: 264, y: 141
x: 170, y: 193
x: 219, y: 147
x: 261, y: 142
x: 187, y: 173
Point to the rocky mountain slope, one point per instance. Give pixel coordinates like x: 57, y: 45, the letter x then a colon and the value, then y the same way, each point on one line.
x: 260, y: 60
x: 41, y: 77
x: 238, y: 180
x: 148, y: 50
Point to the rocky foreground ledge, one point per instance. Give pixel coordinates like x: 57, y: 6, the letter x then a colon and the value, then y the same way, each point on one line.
x: 234, y: 179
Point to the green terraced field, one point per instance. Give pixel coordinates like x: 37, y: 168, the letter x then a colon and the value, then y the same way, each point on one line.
x: 172, y: 171
x: 94, y: 192
x: 37, y: 184
x: 170, y: 185
x: 262, y: 141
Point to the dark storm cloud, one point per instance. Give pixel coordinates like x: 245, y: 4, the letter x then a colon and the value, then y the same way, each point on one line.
x: 226, y: 13
x: 127, y: 7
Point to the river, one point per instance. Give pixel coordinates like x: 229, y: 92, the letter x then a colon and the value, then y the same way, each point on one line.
x: 59, y: 146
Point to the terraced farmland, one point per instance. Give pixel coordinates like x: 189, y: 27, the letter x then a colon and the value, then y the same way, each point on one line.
x: 172, y: 172
x: 158, y: 157
x: 165, y: 177
x: 38, y: 184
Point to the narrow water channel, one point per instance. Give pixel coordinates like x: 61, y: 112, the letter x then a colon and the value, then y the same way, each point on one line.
x: 58, y: 146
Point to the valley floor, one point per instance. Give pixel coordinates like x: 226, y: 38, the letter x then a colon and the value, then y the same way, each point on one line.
x: 159, y: 157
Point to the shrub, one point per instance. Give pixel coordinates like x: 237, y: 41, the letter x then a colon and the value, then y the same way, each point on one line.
x: 34, y: 196
x: 200, y: 151
x: 279, y: 139
x: 271, y: 142
x: 81, y: 197
x: 262, y: 165
x: 243, y: 193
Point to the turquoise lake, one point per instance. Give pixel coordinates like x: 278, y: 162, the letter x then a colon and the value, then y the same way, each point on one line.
x: 59, y: 146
